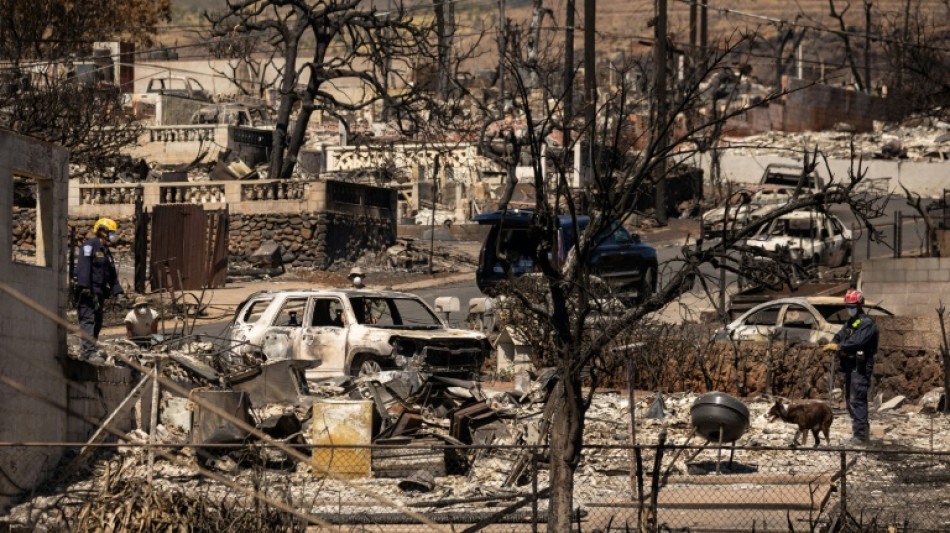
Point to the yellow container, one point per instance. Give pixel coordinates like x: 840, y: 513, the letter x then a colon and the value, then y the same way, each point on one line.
x: 342, y: 423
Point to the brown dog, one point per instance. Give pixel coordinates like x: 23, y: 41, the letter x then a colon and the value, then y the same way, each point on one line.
x: 808, y: 415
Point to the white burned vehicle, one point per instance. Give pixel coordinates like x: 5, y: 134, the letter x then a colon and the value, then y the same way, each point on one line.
x: 749, y: 207
x: 809, y: 238
x: 356, y: 332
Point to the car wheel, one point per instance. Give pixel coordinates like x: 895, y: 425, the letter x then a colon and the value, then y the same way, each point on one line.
x: 365, y: 365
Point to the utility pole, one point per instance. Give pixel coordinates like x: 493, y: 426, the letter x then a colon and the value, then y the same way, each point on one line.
x: 387, y: 66
x: 502, y: 48
x: 867, y: 46
x: 659, y: 117
x: 590, y: 86
x: 693, y: 9
x: 703, y: 26
x: 568, y: 74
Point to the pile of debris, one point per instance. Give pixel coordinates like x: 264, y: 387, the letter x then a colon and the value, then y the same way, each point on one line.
x: 428, y: 457
x: 917, y: 139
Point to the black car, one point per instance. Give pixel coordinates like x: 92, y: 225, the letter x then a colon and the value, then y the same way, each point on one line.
x: 624, y: 262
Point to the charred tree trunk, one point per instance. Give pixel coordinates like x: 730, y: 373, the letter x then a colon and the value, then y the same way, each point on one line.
x: 298, y: 135
x: 288, y: 97
x: 567, y: 430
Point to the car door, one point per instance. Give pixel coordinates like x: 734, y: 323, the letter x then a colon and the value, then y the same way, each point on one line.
x: 799, y: 324
x: 323, y: 338
x: 616, y: 260
x: 285, y: 329
x: 249, y: 326
x: 759, y: 324
x: 839, y: 242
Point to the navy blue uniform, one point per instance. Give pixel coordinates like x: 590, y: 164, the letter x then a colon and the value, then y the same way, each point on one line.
x: 857, y: 344
x: 96, y: 280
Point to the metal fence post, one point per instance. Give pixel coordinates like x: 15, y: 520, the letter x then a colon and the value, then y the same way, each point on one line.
x: 655, y: 484
x: 897, y: 233
x: 534, y: 491
x: 844, y: 488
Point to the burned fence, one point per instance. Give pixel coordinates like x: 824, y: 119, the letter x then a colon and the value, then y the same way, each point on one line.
x: 623, y: 488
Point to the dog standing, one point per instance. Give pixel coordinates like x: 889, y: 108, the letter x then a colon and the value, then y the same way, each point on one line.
x: 808, y: 415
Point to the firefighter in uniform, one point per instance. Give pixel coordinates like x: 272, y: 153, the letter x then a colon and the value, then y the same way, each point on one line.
x: 856, y: 345
x: 96, y: 280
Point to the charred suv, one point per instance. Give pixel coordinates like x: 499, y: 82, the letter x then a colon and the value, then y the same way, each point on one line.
x: 356, y: 332
x: 625, y: 263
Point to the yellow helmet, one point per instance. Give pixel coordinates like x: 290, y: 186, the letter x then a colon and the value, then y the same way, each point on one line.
x: 105, y: 223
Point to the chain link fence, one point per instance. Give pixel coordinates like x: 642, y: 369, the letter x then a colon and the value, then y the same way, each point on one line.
x: 434, y: 487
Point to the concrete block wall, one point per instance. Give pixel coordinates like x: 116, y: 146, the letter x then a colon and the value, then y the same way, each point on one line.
x: 32, y: 346
x: 94, y: 392
x: 908, y: 286
x: 812, y: 108
x: 925, y: 178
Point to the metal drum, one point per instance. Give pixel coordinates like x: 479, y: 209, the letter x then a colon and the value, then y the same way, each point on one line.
x: 719, y: 412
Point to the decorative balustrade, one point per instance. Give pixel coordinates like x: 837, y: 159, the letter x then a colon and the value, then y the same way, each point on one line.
x: 110, y: 195
x: 258, y: 197
x: 235, y: 193
x: 192, y: 193
x: 171, y: 134
x: 273, y: 190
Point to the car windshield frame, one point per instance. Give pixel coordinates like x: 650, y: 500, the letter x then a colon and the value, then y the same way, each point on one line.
x: 387, y: 312
x: 808, y: 229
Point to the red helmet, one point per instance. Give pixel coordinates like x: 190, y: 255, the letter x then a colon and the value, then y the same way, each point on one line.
x: 853, y: 297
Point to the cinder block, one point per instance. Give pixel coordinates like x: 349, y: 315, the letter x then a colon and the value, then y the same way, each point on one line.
x: 916, y: 276
x: 939, y: 275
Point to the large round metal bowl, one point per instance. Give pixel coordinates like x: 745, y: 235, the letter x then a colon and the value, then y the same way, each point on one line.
x: 718, y: 412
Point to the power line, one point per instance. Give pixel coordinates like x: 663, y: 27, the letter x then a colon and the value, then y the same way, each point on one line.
x: 816, y: 28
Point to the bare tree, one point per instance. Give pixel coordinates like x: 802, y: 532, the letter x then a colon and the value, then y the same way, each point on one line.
x: 915, y: 54
x: 350, y: 40
x: 40, y: 94
x: 574, y: 313
x: 250, y: 63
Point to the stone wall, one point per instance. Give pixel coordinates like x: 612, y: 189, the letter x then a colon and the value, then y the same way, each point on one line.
x: 310, y: 240
x: 907, y: 363
x: 79, y: 229
x: 307, y: 240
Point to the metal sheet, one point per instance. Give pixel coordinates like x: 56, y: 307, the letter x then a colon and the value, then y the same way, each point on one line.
x: 178, y: 244
x: 277, y: 382
x: 216, y: 269
x: 189, y: 247
x: 210, y: 428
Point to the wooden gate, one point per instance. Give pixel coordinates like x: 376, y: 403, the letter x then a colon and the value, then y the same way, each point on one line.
x: 189, y: 247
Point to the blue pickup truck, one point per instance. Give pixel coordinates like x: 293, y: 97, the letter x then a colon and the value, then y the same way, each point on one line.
x: 626, y: 264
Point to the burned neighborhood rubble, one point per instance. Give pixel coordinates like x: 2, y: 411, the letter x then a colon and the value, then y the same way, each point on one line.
x: 462, y: 451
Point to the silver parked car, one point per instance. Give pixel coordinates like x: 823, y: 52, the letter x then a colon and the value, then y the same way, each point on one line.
x: 813, y: 319
x: 356, y: 332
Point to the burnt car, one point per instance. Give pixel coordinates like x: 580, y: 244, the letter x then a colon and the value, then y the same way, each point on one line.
x: 625, y: 263
x: 356, y: 332
x: 808, y: 319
